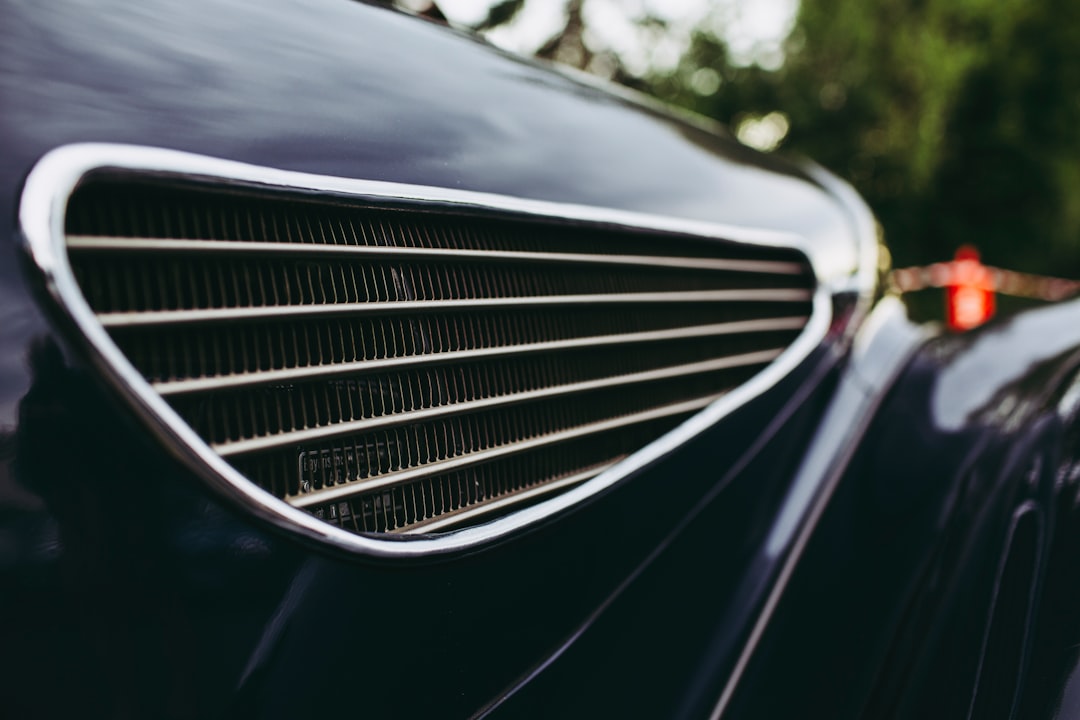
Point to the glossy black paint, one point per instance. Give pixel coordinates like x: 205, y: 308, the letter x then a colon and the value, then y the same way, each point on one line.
x: 943, y: 579
x: 339, y: 88
x: 127, y: 589
x: 130, y: 590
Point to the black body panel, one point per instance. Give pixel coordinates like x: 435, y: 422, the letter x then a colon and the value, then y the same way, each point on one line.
x: 129, y: 589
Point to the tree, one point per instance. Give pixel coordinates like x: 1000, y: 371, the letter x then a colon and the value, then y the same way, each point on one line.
x: 957, y: 120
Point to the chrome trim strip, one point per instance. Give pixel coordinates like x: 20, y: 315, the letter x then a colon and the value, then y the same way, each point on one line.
x: 307, y: 372
x: 882, y: 348
x: 260, y: 312
x: 341, y: 429
x: 461, y: 515
x: 243, y: 247
x: 41, y: 221
x: 475, y: 458
x: 868, y: 259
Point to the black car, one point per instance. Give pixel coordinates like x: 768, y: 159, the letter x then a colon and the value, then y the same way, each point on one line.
x: 351, y: 367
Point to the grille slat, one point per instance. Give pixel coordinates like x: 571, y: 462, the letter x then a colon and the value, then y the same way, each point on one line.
x: 453, y: 518
x: 383, y: 305
x: 307, y: 372
x: 405, y: 370
x: 202, y: 247
x: 329, y: 429
x: 170, y: 354
x: 480, y: 457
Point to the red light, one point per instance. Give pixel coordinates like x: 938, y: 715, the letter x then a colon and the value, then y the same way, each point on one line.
x: 969, y: 293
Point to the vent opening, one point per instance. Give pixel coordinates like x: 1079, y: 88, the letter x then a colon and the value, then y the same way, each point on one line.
x: 416, y: 369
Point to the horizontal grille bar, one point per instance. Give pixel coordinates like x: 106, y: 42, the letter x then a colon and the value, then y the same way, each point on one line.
x: 414, y: 369
x: 177, y: 387
x: 473, y: 459
x: 472, y: 512
x: 297, y: 437
x: 215, y: 315
x: 192, y: 352
x: 205, y: 247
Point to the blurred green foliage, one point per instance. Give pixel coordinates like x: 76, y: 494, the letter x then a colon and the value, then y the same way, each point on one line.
x: 958, y: 120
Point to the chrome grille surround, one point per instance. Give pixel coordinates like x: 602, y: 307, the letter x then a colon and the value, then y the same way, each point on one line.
x: 42, y: 218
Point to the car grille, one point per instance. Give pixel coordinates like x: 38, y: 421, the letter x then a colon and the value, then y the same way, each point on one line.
x: 417, y: 369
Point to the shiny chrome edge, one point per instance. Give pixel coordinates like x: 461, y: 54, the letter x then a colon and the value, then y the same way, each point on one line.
x: 868, y: 242
x: 455, y: 517
x: 882, y: 348
x: 386, y: 307
x: 450, y: 357
x: 104, y: 244
x: 41, y: 222
x: 440, y: 467
x: 409, y: 417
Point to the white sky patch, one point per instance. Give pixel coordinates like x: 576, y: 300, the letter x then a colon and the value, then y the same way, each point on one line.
x: 753, y: 29
x: 465, y: 12
x: 610, y: 26
x: 537, y: 23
